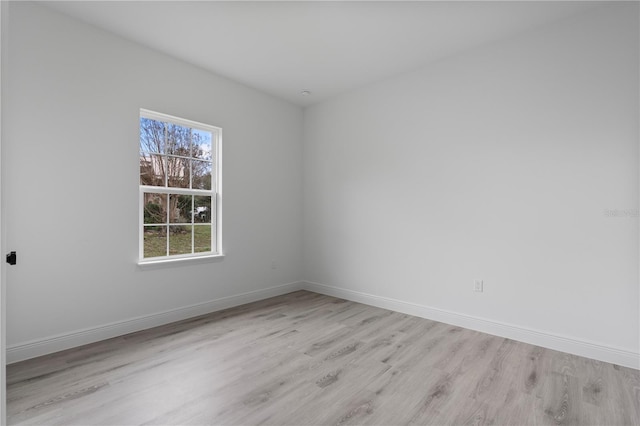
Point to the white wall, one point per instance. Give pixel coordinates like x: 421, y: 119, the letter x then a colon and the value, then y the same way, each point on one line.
x: 70, y: 145
x: 497, y: 164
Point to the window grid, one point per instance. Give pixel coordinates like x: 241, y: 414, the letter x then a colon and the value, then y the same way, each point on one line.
x: 174, y: 167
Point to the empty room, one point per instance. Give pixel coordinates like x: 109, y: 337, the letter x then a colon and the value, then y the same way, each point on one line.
x: 320, y: 213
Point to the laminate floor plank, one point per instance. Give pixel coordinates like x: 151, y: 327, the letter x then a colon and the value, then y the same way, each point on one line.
x: 309, y: 359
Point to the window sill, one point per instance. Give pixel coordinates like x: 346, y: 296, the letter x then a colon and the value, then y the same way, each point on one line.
x: 160, y: 263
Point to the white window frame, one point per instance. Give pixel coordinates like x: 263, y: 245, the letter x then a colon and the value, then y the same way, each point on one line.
x: 215, y: 193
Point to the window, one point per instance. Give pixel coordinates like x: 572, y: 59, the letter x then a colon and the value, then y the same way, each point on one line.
x: 179, y: 188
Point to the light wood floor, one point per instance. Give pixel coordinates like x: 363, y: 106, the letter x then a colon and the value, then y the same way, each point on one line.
x: 309, y: 359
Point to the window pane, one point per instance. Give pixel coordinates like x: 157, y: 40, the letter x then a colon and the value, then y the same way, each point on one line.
x: 177, y: 172
x: 152, y: 169
x: 155, y: 208
x: 202, y: 146
x: 201, y: 238
x: 202, y: 209
x: 152, y: 138
x: 180, y: 239
x: 178, y: 140
x: 178, y: 158
x: 180, y: 208
x: 155, y: 241
x: 201, y: 174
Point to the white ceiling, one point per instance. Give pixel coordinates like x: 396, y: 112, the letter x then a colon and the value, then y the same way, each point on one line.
x: 325, y: 47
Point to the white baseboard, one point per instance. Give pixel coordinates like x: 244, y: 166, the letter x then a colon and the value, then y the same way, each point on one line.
x: 34, y: 348
x: 535, y: 337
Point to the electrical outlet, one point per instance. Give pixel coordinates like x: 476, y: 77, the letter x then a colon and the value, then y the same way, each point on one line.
x: 478, y: 286
x: 274, y: 265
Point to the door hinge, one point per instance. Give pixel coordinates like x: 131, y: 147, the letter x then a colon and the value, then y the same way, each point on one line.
x: 11, y: 258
